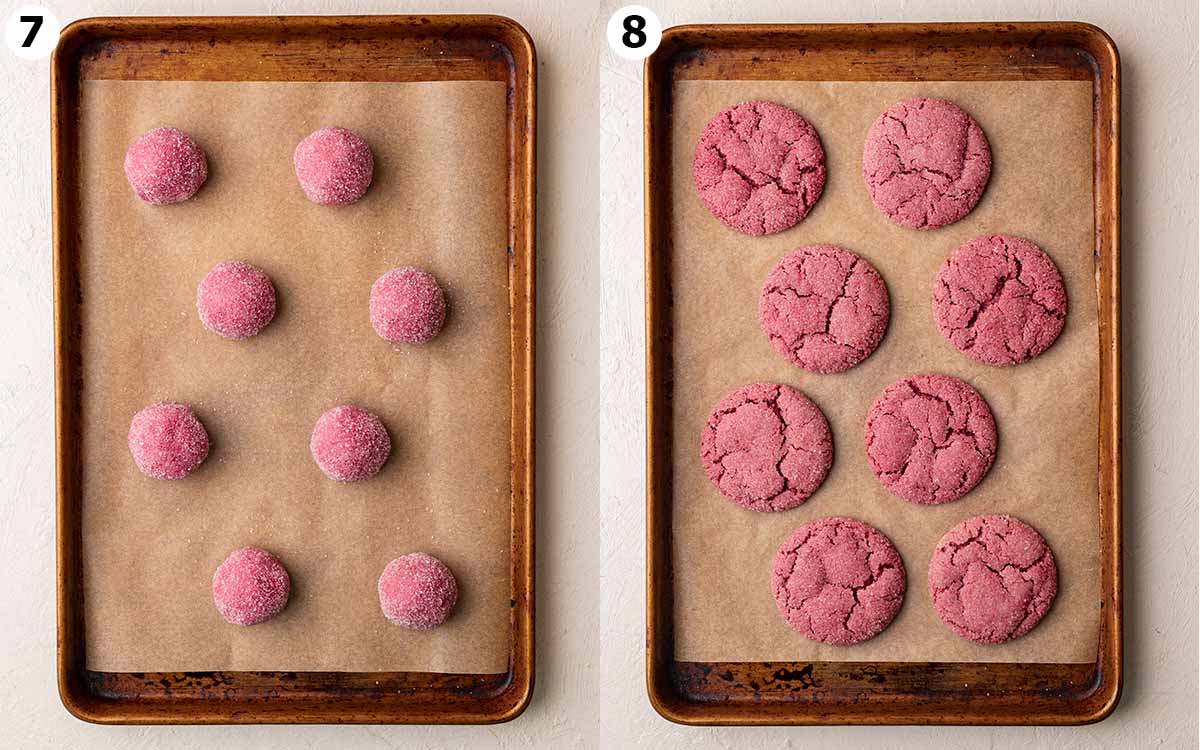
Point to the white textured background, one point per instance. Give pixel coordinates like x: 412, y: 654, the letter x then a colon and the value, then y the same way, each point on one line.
x: 589, y: 690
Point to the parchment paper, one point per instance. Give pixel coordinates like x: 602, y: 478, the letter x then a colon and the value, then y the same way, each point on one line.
x: 1046, y: 410
x: 150, y: 547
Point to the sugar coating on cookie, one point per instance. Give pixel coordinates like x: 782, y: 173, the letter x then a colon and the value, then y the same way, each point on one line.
x: 766, y: 447
x: 250, y: 587
x: 407, y: 306
x: 167, y: 441
x: 824, y: 308
x: 992, y: 578
x: 350, y: 444
x: 759, y: 167
x: 417, y: 591
x: 930, y: 438
x: 235, y: 300
x: 334, y: 166
x: 165, y: 165
x: 1000, y: 300
x: 926, y: 163
x: 838, y: 581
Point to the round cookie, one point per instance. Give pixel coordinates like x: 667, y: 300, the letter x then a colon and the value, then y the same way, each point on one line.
x: 334, y: 166
x: 235, y: 300
x: 165, y: 165
x: 766, y: 447
x: 407, y: 306
x: 930, y: 438
x: 759, y: 167
x: 838, y: 581
x: 926, y: 163
x: 417, y: 591
x: 250, y: 587
x: 1000, y: 300
x: 824, y: 308
x: 167, y: 441
x: 349, y: 444
x: 992, y: 578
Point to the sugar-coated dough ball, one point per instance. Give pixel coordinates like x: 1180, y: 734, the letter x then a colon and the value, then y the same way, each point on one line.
x: 165, y: 165
x: 350, y: 444
x: 417, y: 591
x: 407, y: 306
x: 334, y: 166
x: 167, y: 441
x: 235, y: 300
x: 250, y: 587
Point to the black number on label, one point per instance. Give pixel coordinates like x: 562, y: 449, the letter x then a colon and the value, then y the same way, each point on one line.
x: 633, y: 37
x: 36, y: 22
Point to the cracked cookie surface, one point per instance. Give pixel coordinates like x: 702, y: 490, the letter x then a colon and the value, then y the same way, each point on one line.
x: 824, y: 308
x: 926, y: 163
x: 930, y: 438
x: 1000, y: 300
x: 766, y: 447
x: 759, y: 167
x: 992, y: 578
x: 838, y: 581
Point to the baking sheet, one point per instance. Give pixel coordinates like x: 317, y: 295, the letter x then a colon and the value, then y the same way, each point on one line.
x: 1046, y: 410
x: 439, y: 201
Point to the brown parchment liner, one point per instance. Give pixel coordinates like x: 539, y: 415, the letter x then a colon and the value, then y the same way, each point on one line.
x: 438, y: 201
x: 1045, y: 470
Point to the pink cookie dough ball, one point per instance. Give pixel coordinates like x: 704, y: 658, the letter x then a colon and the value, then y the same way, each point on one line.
x: 250, y: 587
x: 930, y: 438
x: 407, y: 306
x: 235, y: 300
x: 334, y: 166
x: 926, y: 163
x: 350, y: 444
x: 165, y: 165
x: 1000, y: 300
x: 759, y: 167
x: 417, y: 591
x: 838, y: 581
x: 824, y: 308
x: 992, y: 578
x: 167, y: 441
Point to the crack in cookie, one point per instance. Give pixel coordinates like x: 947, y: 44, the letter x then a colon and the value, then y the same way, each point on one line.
x: 824, y: 308
x: 766, y: 447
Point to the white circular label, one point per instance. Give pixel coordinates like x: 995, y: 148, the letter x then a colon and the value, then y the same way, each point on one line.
x: 634, y: 32
x: 32, y: 32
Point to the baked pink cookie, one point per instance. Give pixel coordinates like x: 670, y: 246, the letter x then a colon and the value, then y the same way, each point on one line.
x: 824, y: 308
x: 766, y: 447
x: 417, y: 591
x: 407, y: 306
x: 334, y: 166
x: 1000, y: 300
x: 167, y: 441
x: 165, y: 165
x: 250, y: 587
x: 350, y: 444
x: 838, y: 581
x: 992, y: 578
x: 235, y: 300
x: 926, y: 163
x: 759, y: 167
x: 930, y: 438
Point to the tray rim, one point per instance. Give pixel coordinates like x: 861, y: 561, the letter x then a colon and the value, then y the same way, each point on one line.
x: 664, y: 694
x: 516, y: 685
